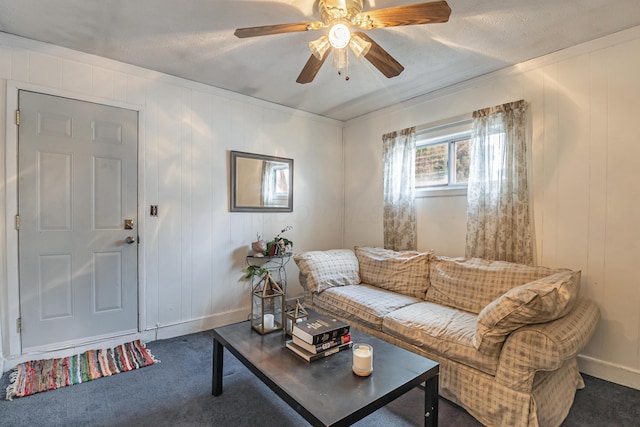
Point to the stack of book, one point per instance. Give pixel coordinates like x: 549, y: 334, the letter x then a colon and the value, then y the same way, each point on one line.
x: 316, y: 338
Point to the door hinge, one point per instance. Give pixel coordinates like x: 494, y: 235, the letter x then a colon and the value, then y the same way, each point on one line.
x: 17, y: 117
x: 18, y: 325
x: 17, y: 222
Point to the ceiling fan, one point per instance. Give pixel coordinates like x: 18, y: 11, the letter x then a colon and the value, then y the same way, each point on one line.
x: 340, y: 17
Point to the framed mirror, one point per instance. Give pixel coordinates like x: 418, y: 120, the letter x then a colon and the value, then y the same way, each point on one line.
x: 261, y: 183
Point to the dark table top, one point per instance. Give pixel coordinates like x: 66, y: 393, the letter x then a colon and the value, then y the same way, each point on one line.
x: 326, y: 392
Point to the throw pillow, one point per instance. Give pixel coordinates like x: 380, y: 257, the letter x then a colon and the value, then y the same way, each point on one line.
x: 404, y: 272
x: 471, y: 283
x: 324, y: 269
x: 540, y: 301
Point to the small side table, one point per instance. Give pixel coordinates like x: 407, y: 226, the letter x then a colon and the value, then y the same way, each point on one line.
x: 276, y: 266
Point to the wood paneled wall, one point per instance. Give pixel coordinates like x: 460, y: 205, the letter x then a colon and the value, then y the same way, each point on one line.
x: 585, y: 169
x: 192, y: 254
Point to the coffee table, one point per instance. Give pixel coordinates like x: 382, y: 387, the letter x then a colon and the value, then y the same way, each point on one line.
x: 326, y: 392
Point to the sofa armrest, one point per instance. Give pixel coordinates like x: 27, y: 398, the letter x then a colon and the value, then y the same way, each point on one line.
x: 545, y: 346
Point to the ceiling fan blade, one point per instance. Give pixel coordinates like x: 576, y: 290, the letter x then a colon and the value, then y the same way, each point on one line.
x: 413, y: 14
x: 380, y: 59
x: 311, y: 68
x: 276, y: 29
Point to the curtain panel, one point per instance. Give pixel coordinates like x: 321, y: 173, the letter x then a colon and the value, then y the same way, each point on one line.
x: 399, y: 152
x: 498, y: 218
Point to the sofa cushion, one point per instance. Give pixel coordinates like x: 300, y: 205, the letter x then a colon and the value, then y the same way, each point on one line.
x: 444, y: 331
x: 405, y: 272
x: 362, y: 303
x: 324, y: 269
x: 539, y: 301
x: 472, y: 283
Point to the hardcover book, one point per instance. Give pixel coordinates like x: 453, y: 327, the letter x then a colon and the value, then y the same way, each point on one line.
x: 320, y: 329
x: 319, y: 348
x: 311, y: 357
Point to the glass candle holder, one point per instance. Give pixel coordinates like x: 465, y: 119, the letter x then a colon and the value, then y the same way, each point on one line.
x: 362, y: 360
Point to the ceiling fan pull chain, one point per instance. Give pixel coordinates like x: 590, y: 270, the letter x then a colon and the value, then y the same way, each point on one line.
x: 346, y: 77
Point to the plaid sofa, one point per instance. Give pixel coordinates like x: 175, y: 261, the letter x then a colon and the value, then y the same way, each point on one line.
x: 506, y: 335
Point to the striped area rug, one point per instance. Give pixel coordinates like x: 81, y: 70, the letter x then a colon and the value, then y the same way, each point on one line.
x: 37, y: 376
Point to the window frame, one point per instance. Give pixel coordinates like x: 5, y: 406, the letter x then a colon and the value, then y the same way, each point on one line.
x: 451, y: 133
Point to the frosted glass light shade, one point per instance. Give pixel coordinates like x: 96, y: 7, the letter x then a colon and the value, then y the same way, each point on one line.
x: 339, y: 36
x: 359, y: 46
x: 340, y: 58
x: 319, y: 46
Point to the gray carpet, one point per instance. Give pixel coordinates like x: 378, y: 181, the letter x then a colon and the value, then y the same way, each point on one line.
x: 177, y: 392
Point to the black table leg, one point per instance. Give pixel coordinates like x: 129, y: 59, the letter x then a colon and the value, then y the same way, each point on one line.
x: 431, y: 402
x: 216, y: 380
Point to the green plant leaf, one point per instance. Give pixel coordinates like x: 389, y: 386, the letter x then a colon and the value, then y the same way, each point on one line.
x: 255, y: 270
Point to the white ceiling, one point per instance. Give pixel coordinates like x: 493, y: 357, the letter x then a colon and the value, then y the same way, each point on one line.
x: 194, y: 39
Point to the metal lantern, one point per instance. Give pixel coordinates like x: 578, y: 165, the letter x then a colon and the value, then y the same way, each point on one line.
x: 267, y: 306
x: 295, y: 315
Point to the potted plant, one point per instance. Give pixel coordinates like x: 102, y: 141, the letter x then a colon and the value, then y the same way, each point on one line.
x: 280, y: 245
x: 259, y: 246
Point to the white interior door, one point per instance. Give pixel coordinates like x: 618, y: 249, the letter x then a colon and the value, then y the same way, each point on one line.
x: 77, y: 168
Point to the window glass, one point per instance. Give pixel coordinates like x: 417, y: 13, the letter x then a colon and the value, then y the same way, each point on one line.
x: 431, y: 165
x: 443, y: 161
x: 462, y: 161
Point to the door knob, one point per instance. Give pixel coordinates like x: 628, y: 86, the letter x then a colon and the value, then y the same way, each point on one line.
x: 129, y: 240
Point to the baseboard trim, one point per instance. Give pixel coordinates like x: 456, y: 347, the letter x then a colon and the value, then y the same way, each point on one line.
x: 608, y: 371
x: 159, y: 333
x: 198, y: 325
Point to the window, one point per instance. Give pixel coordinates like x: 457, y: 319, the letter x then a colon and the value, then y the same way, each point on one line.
x: 442, y: 157
x: 495, y: 153
x: 281, y: 182
x: 275, y: 190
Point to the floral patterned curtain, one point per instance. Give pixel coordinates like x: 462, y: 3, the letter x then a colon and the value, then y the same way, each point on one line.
x: 399, y: 153
x: 498, y: 225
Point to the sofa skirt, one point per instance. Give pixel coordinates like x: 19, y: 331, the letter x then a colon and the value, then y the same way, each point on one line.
x: 491, y: 403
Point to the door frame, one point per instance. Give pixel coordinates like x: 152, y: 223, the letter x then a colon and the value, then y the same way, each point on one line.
x: 11, y: 209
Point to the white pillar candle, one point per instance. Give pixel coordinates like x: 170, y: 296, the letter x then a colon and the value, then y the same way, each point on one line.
x: 268, y: 321
x: 362, y: 359
x: 290, y: 323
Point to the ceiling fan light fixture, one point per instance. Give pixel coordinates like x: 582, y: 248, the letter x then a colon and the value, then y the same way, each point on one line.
x: 330, y: 10
x: 359, y: 46
x: 340, y: 17
x: 339, y: 35
x: 340, y: 59
x: 320, y: 46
